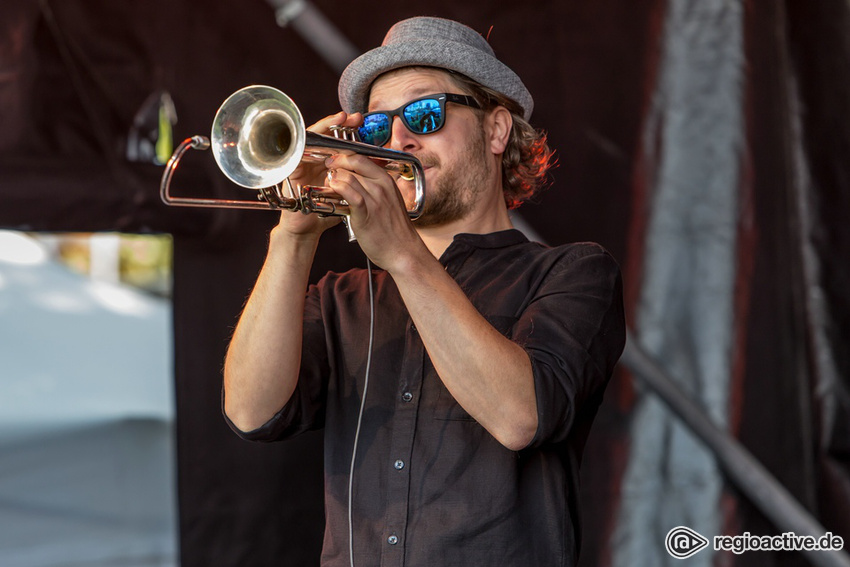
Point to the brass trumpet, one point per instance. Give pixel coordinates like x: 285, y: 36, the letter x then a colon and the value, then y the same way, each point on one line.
x: 258, y: 139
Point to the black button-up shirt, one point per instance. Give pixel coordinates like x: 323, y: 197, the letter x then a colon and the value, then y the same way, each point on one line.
x: 431, y: 487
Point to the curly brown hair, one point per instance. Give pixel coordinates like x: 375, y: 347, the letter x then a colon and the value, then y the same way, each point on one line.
x: 527, y: 158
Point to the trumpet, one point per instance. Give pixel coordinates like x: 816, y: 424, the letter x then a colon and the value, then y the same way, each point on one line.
x: 258, y: 139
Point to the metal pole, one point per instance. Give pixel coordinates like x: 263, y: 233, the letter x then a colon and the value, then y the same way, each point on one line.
x: 317, y: 30
x: 751, y: 478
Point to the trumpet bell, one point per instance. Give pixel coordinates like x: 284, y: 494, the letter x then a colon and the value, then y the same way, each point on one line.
x: 258, y: 137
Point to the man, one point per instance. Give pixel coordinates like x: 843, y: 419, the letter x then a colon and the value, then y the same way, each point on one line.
x: 489, y: 354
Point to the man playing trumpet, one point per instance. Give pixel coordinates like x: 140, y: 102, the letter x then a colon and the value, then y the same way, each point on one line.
x: 454, y: 429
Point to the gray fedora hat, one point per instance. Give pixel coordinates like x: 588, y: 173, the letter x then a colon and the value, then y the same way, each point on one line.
x: 431, y: 42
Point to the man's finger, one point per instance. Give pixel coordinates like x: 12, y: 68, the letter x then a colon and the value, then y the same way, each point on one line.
x: 324, y: 125
x: 358, y: 164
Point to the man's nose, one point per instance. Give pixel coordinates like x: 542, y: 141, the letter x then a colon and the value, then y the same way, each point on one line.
x: 401, y: 138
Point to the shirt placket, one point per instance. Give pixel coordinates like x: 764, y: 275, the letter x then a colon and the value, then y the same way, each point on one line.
x: 401, y: 450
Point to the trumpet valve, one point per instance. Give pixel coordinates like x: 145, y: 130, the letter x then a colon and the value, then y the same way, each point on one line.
x: 345, y: 133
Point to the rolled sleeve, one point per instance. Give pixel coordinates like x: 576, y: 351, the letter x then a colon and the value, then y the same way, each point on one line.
x: 574, y: 333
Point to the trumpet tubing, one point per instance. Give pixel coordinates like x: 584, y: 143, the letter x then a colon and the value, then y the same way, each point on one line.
x: 258, y: 139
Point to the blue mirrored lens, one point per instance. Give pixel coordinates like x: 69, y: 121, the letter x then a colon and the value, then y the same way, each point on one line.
x: 375, y: 129
x: 424, y: 116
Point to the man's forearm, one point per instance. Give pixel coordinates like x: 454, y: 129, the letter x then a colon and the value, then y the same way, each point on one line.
x: 262, y: 363
x: 489, y: 375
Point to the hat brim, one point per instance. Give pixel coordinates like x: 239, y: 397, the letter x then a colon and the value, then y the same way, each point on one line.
x: 357, y: 79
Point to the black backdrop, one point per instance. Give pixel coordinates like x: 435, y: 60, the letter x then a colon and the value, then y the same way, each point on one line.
x: 75, y: 72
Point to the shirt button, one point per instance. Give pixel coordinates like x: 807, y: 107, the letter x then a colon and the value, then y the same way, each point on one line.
x: 392, y: 540
x: 407, y: 396
x: 413, y: 327
x: 399, y: 464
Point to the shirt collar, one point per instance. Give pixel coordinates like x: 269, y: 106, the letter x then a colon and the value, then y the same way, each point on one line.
x: 464, y: 244
x: 501, y: 239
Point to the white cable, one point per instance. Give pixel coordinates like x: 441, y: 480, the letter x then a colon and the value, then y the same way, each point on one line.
x: 360, y: 415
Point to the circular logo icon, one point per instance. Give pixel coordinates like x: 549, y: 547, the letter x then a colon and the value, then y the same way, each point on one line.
x: 683, y: 542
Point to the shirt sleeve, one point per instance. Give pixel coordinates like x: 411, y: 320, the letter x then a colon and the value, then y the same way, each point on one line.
x: 305, y: 410
x: 574, y: 332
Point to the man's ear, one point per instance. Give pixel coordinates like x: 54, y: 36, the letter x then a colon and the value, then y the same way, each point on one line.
x: 499, y: 122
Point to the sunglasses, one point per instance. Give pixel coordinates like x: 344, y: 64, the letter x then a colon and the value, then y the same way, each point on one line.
x: 424, y: 115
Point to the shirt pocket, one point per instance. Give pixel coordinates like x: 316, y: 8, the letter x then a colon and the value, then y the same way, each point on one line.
x: 447, y: 408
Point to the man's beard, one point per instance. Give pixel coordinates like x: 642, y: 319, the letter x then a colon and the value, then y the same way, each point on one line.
x: 461, y: 181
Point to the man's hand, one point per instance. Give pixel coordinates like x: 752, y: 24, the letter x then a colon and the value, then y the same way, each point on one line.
x: 378, y: 213
x: 312, y: 225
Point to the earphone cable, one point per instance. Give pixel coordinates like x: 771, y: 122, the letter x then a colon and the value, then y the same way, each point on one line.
x: 360, y: 414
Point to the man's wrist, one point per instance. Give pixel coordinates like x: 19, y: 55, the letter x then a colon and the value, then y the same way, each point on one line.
x: 413, y: 266
x: 280, y: 234
x: 297, y: 246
